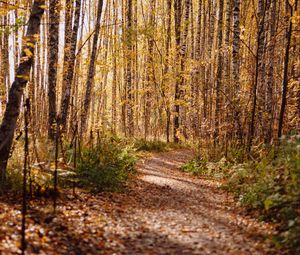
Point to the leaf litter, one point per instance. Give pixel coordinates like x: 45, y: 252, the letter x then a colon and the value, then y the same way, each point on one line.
x: 163, y: 211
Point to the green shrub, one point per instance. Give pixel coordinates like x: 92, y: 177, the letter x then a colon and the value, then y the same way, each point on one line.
x: 144, y: 145
x: 203, y: 167
x: 13, y: 182
x: 236, y: 154
x: 269, y: 183
x: 105, y: 167
x: 272, y: 185
x: 195, y: 167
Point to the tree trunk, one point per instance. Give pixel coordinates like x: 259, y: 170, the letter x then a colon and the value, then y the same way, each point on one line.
x: 209, y: 65
x: 69, y: 58
x: 270, y: 74
x: 129, y: 53
x: 114, y: 81
x: 236, y: 111
x: 91, y: 71
x: 196, y: 75
x: 182, y: 79
x: 203, y: 67
x: 12, y: 112
x: 166, y: 70
x: 52, y: 64
x: 258, y: 63
x: 177, y: 10
x: 150, y: 70
x: 285, y: 69
x: 228, y: 21
x: 219, y: 72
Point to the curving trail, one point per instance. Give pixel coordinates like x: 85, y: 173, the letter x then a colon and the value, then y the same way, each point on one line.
x: 175, y: 213
x: 164, y: 211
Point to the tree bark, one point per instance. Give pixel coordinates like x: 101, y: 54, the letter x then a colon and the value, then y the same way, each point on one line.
x: 114, y: 81
x: 52, y: 65
x: 69, y: 58
x: 209, y: 66
x: 229, y: 11
x: 219, y: 72
x: 270, y: 73
x: 91, y: 71
x: 236, y: 46
x: 150, y: 70
x: 258, y: 63
x: 177, y: 10
x: 129, y: 76
x: 183, y: 59
x: 196, y: 75
x: 285, y: 69
x: 166, y: 70
x: 236, y: 68
x: 12, y: 112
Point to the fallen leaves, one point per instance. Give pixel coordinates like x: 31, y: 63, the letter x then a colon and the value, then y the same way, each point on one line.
x: 169, y: 213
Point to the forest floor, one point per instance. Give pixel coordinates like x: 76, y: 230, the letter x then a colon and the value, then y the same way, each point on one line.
x: 163, y: 211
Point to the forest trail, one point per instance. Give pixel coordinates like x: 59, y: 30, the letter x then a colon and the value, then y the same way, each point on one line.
x: 164, y: 211
x: 171, y: 212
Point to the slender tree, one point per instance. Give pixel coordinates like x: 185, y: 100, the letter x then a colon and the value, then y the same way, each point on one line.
x: 219, y: 71
x: 258, y: 64
x: 91, y: 71
x: 236, y: 67
x: 71, y: 34
x: 129, y: 65
x: 52, y: 64
x: 178, y: 11
x: 270, y: 72
x: 166, y: 69
x: 150, y: 70
x: 114, y: 82
x: 289, y: 30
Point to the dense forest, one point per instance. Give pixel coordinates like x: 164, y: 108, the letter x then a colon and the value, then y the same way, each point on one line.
x: 89, y: 89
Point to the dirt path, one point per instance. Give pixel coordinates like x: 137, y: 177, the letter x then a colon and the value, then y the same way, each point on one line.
x: 165, y: 211
x: 176, y: 213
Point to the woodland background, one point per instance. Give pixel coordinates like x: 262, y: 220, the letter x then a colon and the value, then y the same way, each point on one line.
x: 83, y: 78
x: 174, y: 70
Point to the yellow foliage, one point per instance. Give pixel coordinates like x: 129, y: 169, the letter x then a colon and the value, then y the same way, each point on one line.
x: 28, y: 52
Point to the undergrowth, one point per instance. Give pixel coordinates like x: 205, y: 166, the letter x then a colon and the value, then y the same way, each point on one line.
x: 105, y: 167
x: 144, y: 145
x: 269, y: 183
x: 155, y: 145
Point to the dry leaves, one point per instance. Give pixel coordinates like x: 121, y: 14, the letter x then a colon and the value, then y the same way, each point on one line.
x: 163, y: 212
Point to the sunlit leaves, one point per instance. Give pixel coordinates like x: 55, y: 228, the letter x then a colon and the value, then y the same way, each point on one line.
x: 28, y: 53
x: 45, y: 7
x: 8, y: 28
x: 24, y: 77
